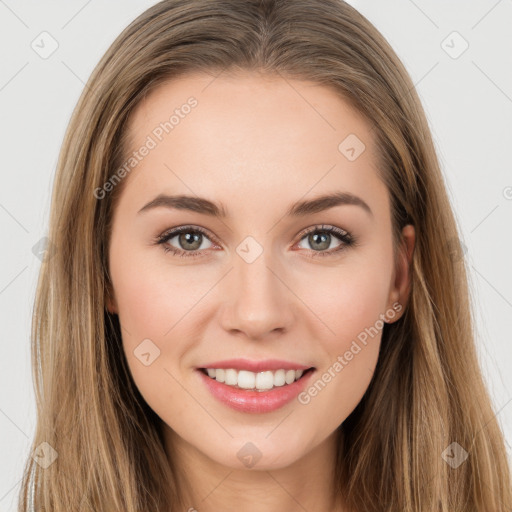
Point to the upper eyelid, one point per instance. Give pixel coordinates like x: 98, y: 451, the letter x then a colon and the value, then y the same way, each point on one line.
x: 318, y: 227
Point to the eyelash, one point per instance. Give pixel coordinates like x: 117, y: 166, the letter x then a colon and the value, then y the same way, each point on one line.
x: 344, y: 236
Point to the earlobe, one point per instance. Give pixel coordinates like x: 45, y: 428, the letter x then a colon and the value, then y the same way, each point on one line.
x: 110, y: 302
x: 401, y: 287
x: 111, y: 309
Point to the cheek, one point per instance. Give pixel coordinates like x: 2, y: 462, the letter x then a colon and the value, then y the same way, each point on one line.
x: 348, y: 299
x: 156, y: 304
x: 141, y: 305
x: 149, y: 314
x: 350, y: 304
x: 153, y: 297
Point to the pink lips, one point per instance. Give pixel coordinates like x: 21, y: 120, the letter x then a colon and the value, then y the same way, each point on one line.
x: 250, y: 401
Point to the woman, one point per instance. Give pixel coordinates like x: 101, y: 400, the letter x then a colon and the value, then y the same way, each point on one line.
x: 253, y: 303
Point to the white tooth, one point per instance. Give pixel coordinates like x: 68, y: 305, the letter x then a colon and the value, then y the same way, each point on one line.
x: 279, y: 378
x: 246, y: 379
x: 231, y: 377
x: 249, y: 380
x: 290, y: 376
x: 264, y: 380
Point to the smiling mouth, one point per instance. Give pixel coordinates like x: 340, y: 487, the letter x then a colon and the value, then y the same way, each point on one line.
x: 255, y: 381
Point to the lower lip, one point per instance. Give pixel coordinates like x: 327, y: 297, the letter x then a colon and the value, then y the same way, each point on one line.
x: 255, y: 401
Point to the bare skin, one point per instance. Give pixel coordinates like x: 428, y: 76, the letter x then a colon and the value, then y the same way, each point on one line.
x: 257, y: 145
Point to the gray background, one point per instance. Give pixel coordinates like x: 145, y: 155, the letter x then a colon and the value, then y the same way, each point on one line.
x: 467, y: 97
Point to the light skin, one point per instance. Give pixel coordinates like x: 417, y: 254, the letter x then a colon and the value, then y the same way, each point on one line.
x: 257, y: 145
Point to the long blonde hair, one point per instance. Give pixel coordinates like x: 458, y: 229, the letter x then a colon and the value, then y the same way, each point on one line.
x: 427, y: 391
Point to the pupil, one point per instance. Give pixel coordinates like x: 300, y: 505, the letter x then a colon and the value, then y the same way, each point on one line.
x: 188, y: 238
x: 325, y: 240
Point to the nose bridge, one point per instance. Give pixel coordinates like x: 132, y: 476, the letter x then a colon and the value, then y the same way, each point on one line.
x: 258, y: 302
x: 254, y: 278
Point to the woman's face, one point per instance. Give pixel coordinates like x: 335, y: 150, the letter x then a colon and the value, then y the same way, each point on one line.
x: 246, y: 159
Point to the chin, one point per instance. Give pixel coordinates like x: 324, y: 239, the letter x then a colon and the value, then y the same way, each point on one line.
x: 265, y: 451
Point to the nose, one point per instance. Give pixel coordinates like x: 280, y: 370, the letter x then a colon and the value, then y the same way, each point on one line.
x: 258, y: 302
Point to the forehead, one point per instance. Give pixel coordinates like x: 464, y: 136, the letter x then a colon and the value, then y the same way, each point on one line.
x: 245, y: 102
x: 262, y: 135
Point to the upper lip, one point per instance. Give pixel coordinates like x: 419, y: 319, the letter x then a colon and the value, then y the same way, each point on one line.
x: 256, y: 366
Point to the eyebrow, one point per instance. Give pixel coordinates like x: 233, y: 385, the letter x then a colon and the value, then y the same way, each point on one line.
x: 298, y: 209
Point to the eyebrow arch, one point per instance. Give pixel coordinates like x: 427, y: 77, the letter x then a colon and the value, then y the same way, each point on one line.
x: 298, y: 209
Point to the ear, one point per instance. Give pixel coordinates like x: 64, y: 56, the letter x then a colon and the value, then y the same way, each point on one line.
x: 401, y: 286
x: 110, y: 300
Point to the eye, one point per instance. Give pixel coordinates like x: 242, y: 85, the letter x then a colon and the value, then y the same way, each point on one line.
x: 189, y: 239
x: 320, y: 238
